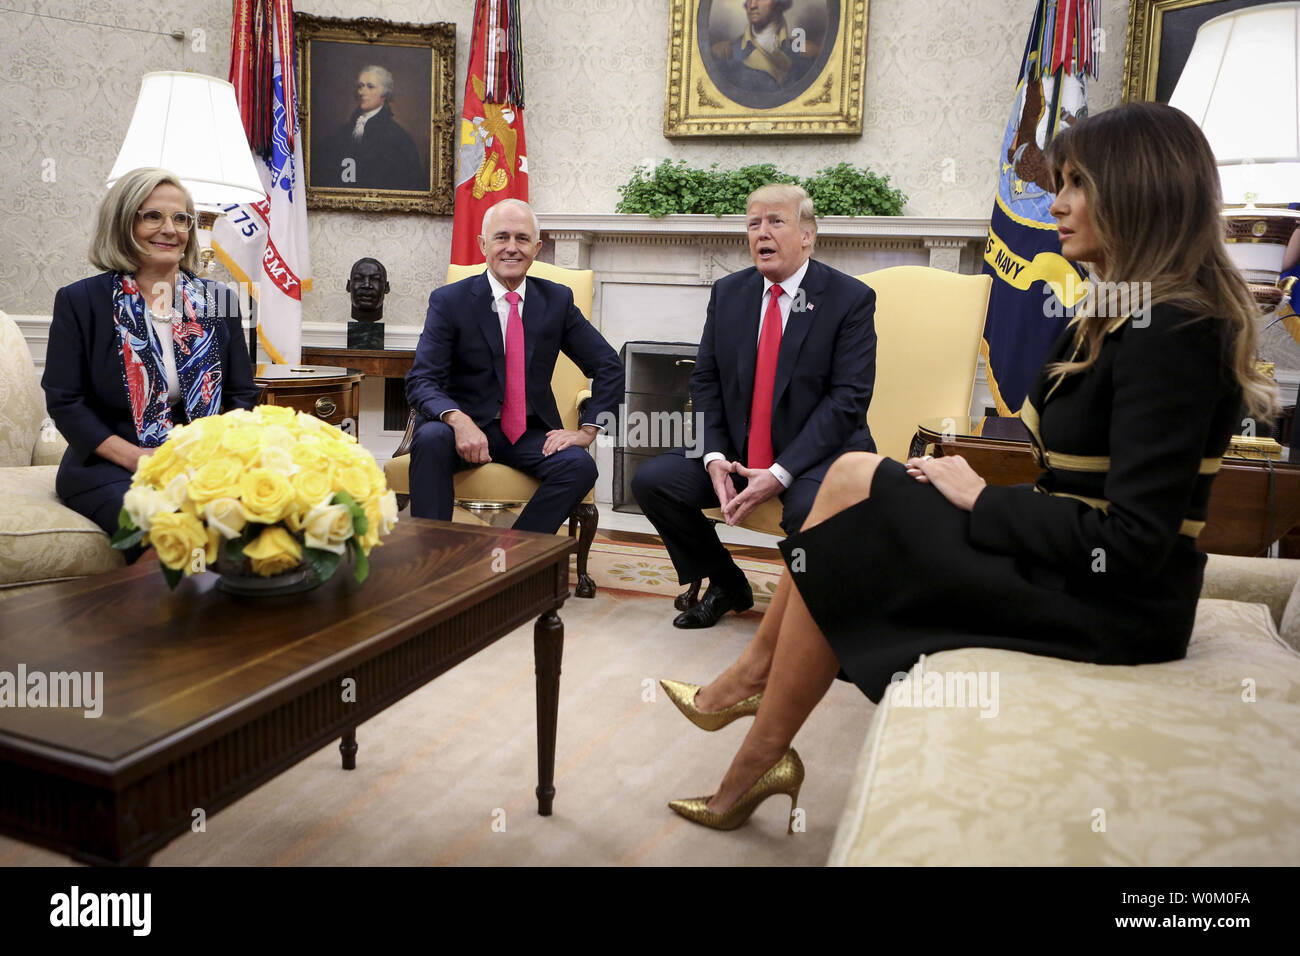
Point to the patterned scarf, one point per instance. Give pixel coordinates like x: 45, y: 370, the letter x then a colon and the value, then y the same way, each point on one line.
x: 144, y: 372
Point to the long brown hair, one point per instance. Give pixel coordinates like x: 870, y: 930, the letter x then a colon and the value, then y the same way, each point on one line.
x: 1152, y: 188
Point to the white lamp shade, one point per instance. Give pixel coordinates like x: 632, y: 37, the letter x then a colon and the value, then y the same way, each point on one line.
x: 189, y: 124
x: 1241, y: 85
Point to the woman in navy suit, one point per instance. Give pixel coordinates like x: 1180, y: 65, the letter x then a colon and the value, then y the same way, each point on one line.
x: 1097, y: 562
x: 139, y: 348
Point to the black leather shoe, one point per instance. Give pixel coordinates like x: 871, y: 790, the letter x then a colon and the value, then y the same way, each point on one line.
x: 715, y: 603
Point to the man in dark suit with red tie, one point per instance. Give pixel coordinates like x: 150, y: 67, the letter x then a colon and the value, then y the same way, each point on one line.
x: 782, y: 381
x: 481, y: 379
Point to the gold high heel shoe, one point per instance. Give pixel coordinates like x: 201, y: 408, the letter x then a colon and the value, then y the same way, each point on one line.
x: 683, y: 695
x: 785, y: 776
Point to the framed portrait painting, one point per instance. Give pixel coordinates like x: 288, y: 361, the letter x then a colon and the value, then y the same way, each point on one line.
x: 377, y: 103
x: 1160, y: 38
x: 789, y: 67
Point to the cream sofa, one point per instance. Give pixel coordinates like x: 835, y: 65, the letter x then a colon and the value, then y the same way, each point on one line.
x: 1190, y: 763
x: 40, y: 539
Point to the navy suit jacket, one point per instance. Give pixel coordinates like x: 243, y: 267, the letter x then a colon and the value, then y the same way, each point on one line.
x: 825, y: 370
x: 460, y: 361
x: 83, y: 375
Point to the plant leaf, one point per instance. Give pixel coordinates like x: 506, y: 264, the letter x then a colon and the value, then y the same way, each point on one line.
x: 234, y: 550
x: 324, y: 563
x: 124, y: 538
x: 361, y: 565
x: 172, y: 576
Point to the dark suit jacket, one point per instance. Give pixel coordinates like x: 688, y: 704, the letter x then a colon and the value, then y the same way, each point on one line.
x: 386, y: 157
x: 825, y: 370
x: 460, y: 361
x: 83, y: 375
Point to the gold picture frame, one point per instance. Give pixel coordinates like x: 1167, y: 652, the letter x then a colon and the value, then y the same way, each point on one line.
x: 1160, y: 35
x: 401, y: 157
x: 721, y: 83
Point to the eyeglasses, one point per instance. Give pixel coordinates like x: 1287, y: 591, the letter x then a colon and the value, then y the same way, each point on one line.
x: 153, y: 218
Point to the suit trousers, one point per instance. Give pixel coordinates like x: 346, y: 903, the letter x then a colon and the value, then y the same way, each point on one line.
x: 102, y: 505
x: 672, y: 490
x: 566, y: 476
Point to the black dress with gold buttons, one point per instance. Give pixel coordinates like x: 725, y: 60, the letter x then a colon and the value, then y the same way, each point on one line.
x: 1096, y: 562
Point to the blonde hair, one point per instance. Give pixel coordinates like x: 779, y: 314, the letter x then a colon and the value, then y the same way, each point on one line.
x: 786, y: 194
x: 1152, y: 188
x: 114, y: 248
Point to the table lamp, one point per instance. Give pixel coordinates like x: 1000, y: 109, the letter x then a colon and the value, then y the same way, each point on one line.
x: 1241, y: 84
x: 189, y: 123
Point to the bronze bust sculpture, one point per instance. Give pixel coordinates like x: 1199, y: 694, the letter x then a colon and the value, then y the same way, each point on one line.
x: 367, y: 284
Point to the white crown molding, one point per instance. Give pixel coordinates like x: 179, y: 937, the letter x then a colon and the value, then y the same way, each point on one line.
x: 705, y: 227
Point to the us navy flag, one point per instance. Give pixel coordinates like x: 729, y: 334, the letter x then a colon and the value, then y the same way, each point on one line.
x: 1034, y: 286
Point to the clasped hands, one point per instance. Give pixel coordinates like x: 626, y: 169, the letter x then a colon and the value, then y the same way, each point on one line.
x: 762, y: 484
x: 472, y: 444
x: 951, y: 475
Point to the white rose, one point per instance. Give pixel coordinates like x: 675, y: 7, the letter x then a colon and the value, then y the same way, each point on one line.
x: 327, y: 527
x: 388, y: 511
x: 175, y: 490
x: 143, y: 502
x: 226, y: 517
x: 279, y: 460
x: 277, y: 436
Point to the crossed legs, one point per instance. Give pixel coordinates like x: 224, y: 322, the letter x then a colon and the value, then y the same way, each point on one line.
x: 788, y: 658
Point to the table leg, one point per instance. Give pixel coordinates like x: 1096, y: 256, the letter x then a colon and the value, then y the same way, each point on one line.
x: 548, y: 648
x: 348, y: 748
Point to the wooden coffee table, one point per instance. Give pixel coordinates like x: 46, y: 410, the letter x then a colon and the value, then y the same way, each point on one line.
x: 207, y: 696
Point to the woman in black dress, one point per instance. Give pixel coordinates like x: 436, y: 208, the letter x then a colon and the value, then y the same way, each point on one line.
x: 1097, y: 562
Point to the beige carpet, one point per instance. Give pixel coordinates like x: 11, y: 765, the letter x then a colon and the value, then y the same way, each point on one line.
x: 436, y: 771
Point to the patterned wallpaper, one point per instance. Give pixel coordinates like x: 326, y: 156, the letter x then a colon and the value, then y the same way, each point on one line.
x: 939, y: 81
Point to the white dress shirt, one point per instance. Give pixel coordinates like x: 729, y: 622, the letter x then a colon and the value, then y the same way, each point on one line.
x: 162, y: 326
x: 784, y: 303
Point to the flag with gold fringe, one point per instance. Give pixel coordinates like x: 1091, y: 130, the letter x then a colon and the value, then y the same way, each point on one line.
x: 491, y: 163
x: 1034, y: 287
x: 264, y: 244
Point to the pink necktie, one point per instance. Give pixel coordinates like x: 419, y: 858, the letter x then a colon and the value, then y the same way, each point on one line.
x: 513, y: 409
x: 760, y: 411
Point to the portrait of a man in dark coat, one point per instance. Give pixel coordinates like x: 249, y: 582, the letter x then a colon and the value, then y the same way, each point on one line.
x: 371, y: 149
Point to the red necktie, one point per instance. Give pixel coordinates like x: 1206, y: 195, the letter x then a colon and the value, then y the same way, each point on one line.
x: 513, y: 409
x: 760, y: 412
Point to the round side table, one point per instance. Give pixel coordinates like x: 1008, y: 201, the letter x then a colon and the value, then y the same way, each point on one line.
x: 330, y: 393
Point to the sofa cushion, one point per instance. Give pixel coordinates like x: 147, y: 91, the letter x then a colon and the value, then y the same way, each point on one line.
x: 1252, y: 580
x: 40, y: 538
x: 1190, y: 762
x: 22, y: 404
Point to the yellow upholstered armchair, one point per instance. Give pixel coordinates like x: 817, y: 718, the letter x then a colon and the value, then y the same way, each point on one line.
x: 929, y: 323
x: 497, y: 485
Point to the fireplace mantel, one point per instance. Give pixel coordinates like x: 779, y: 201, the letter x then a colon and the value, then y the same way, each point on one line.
x: 950, y: 244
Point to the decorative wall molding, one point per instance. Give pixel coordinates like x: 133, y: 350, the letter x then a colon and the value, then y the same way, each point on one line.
x: 721, y: 245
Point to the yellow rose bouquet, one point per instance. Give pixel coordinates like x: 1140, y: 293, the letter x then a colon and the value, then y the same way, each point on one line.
x: 258, y: 493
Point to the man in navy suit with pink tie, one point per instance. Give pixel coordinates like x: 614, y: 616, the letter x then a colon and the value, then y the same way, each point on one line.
x: 782, y: 381
x: 481, y: 379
